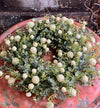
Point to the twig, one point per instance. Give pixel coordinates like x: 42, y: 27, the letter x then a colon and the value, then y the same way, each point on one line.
x: 97, y: 4
x: 92, y: 13
x: 85, y: 4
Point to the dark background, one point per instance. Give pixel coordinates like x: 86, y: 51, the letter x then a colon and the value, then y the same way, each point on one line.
x: 14, y: 11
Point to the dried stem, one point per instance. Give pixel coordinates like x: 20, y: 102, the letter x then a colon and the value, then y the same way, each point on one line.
x: 93, y: 14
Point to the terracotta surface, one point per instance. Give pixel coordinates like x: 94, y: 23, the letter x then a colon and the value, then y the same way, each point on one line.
x: 10, y: 98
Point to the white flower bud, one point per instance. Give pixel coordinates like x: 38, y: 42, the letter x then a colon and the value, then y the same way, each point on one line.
x: 1, y: 73
x: 59, y: 64
x: 17, y: 38
x: 60, y: 78
x: 11, y: 81
x: 32, y: 36
x: 28, y: 94
x: 55, y: 61
x: 58, y: 18
x: 59, y: 51
x: 64, y: 19
x: 35, y: 44
x: 12, y: 38
x: 60, y: 54
x: 40, y: 21
x: 84, y: 79
x: 70, y: 21
x: 88, y: 45
x: 14, y: 48
x: 34, y: 71
x: 84, y: 23
x: 79, y: 53
x: 69, y: 33
x: 73, y: 63
x: 33, y: 50
x: 53, y: 17
x: 48, y: 41
x: 59, y: 32
x: 10, y: 48
x: 72, y: 92
x: 47, y: 21
x: 30, y: 86
x: 83, y: 27
x: 92, y: 39
x: 75, y: 43
x: 47, y: 49
x: 33, y: 19
x: 16, y: 72
x: 62, y: 69
x: 7, y: 77
x: 30, y: 24
x: 24, y: 76
x: 43, y: 40
x: 3, y: 53
x: 78, y: 36
x: 63, y: 89
x: 35, y: 79
x: 70, y: 54
x: 24, y: 46
x: 92, y: 61
x: 30, y: 30
x: 7, y: 42
x: 15, y: 61
x: 44, y: 46
x: 50, y: 105
x: 84, y: 49
x: 52, y: 27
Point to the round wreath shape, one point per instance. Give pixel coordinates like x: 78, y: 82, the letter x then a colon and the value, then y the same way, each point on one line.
x: 72, y: 52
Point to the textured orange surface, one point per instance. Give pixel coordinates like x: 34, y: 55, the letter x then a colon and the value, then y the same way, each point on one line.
x: 10, y: 98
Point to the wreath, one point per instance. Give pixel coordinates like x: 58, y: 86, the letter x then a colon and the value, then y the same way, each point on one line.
x: 49, y: 58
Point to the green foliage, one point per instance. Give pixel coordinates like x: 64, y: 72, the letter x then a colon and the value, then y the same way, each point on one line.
x: 46, y: 71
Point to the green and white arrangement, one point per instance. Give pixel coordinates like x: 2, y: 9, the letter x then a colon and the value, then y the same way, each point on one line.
x: 73, y: 63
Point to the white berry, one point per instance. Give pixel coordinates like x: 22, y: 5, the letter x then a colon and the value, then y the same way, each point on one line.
x: 24, y: 46
x: 73, y: 63
x: 14, y: 48
x: 33, y: 50
x: 48, y: 41
x: 84, y: 79
x: 59, y: 64
x: 84, y: 49
x: 7, y: 77
x: 92, y: 61
x: 62, y: 69
x: 50, y: 105
x: 15, y: 61
x: 1, y: 73
x: 28, y: 94
x: 70, y: 54
x: 35, y: 44
x: 34, y: 71
x: 63, y: 89
x: 59, y: 32
x: 60, y: 78
x: 31, y: 86
x: 24, y: 75
x: 72, y: 92
x: 17, y: 38
x: 43, y: 40
x: 35, y: 79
